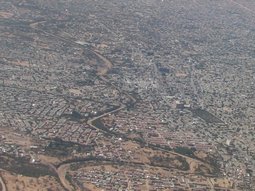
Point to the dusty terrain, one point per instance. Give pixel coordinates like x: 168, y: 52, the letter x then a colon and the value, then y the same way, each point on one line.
x: 24, y: 183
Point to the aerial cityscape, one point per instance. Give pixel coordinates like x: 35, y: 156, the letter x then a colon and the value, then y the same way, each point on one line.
x: 127, y: 95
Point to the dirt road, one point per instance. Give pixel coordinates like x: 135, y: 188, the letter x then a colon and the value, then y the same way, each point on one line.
x: 3, y: 187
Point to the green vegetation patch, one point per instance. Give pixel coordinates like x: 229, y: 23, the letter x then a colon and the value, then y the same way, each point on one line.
x: 23, y: 167
x: 167, y: 162
x: 60, y: 148
x: 205, y: 115
x: 185, y: 151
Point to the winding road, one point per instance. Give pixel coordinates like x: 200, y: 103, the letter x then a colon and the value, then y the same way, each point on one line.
x: 62, y: 169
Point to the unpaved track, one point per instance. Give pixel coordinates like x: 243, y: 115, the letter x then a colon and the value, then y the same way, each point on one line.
x: 2, y: 184
x: 62, y: 176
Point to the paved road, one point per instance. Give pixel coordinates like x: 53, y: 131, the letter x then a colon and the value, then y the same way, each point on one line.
x: 243, y: 6
x: 90, y: 122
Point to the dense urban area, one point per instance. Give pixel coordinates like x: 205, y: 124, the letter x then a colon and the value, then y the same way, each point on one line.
x: 127, y: 95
